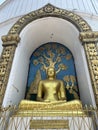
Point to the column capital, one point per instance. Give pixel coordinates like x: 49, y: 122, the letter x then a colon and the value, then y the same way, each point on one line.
x: 88, y: 37
x: 10, y: 39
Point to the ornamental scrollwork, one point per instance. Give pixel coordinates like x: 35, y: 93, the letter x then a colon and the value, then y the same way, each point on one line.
x: 9, y: 45
x: 91, y: 36
x: 11, y: 39
x: 48, y: 8
x: 50, y: 11
x: 89, y: 40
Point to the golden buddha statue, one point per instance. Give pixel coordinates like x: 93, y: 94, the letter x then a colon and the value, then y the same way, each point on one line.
x: 51, y: 95
x: 51, y: 89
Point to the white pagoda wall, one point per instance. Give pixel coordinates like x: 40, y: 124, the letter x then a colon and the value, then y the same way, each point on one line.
x: 14, y: 8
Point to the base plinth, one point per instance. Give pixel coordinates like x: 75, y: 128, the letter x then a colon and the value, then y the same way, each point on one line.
x: 57, y: 122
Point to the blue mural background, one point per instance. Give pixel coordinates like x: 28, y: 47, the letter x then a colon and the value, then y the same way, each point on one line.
x: 58, y: 56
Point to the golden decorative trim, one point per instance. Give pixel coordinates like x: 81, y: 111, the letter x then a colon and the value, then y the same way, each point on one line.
x: 89, y: 36
x: 49, y: 8
x: 50, y: 11
x: 92, y: 58
x: 52, y: 113
x: 11, y: 39
x: 89, y: 40
x: 88, y: 121
x: 49, y: 124
x: 9, y: 42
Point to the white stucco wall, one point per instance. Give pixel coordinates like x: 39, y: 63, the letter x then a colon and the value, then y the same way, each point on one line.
x: 13, y: 8
x: 32, y: 36
x: 93, y: 23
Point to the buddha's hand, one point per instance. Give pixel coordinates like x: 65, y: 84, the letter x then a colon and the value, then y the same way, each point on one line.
x: 63, y: 99
x: 40, y: 99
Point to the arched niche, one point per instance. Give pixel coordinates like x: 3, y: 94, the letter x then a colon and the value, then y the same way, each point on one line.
x: 36, y: 33
x: 59, y: 57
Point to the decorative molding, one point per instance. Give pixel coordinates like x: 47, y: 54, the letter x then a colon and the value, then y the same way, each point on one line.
x: 50, y: 11
x: 87, y: 37
x: 11, y: 39
x: 49, y: 8
x: 92, y: 59
x: 89, y: 40
x: 9, y: 42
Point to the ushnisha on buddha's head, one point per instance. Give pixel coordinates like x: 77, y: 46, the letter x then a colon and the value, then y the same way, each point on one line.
x: 51, y: 72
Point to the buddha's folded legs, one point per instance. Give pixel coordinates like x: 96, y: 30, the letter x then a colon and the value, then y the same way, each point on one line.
x: 57, y: 105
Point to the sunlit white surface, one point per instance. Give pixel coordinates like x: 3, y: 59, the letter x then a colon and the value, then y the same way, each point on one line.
x: 14, y: 8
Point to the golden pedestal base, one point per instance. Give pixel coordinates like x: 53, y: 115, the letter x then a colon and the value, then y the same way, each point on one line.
x: 52, y: 113
x: 49, y: 119
x: 61, y: 108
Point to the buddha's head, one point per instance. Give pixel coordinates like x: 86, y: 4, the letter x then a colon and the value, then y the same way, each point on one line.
x: 51, y: 72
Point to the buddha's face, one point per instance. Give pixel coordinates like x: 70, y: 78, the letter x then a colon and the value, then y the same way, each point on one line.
x: 51, y: 72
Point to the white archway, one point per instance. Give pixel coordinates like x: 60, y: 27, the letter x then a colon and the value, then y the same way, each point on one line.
x: 36, y: 33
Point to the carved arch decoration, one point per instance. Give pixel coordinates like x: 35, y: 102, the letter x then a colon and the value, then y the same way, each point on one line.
x: 11, y: 40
